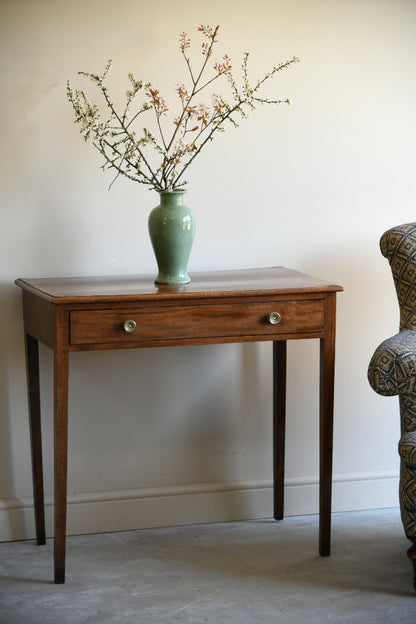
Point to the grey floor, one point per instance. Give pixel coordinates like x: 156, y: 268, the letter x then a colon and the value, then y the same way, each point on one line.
x: 241, y: 572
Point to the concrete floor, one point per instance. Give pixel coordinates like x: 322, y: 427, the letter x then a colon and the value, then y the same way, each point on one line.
x: 258, y: 572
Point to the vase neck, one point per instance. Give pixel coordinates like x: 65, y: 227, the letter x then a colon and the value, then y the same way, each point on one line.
x: 171, y: 198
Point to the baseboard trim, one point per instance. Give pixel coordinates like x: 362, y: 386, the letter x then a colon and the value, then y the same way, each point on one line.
x: 121, y: 510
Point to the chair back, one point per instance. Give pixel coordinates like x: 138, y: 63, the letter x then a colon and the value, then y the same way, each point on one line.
x: 398, y: 245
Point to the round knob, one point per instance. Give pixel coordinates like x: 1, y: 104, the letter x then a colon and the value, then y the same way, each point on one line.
x: 129, y: 326
x: 274, y: 318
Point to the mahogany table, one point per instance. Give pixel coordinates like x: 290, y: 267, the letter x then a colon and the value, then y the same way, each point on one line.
x: 97, y: 313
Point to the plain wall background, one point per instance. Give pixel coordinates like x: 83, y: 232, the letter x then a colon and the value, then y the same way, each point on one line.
x: 181, y: 435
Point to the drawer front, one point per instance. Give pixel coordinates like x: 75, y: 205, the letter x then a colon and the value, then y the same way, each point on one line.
x: 164, y: 323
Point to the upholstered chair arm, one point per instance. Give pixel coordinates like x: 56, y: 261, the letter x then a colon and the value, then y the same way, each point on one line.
x: 392, y: 369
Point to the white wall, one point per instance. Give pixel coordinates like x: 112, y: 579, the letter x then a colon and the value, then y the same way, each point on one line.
x: 177, y: 435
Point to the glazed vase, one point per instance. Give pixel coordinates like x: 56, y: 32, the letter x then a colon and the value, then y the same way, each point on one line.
x: 171, y: 230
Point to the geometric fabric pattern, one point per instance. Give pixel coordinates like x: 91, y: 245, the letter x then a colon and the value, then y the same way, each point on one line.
x: 407, y: 451
x: 398, y: 245
x: 392, y: 369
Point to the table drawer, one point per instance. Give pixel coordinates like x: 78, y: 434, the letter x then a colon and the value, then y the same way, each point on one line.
x: 196, y: 321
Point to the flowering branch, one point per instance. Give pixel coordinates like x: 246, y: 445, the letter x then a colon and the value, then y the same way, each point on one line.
x: 133, y: 155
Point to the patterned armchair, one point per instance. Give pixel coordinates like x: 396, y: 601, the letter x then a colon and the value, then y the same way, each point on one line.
x: 392, y: 369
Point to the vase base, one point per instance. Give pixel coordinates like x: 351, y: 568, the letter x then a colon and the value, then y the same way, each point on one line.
x: 172, y: 281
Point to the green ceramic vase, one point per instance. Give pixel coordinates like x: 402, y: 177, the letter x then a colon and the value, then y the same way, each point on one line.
x: 172, y: 229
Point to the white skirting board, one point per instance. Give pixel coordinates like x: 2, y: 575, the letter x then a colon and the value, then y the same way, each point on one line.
x: 121, y: 510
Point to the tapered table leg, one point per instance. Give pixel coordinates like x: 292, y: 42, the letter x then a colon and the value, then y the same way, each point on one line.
x: 61, y: 461
x: 279, y: 425
x: 326, y: 400
x: 32, y: 365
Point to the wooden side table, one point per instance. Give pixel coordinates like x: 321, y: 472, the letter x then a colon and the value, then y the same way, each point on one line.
x: 97, y: 313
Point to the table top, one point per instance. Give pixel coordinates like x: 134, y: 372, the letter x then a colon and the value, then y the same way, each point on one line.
x: 274, y: 280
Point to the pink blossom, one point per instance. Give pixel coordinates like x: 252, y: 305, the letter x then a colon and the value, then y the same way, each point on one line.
x: 159, y: 102
x: 206, y: 49
x: 219, y: 104
x: 211, y: 34
x: 191, y: 110
x: 183, y: 93
x: 203, y: 114
x: 184, y: 41
x: 224, y: 67
x: 208, y: 31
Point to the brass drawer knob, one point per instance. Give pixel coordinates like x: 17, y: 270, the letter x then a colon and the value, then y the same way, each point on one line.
x: 129, y: 326
x: 274, y: 318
